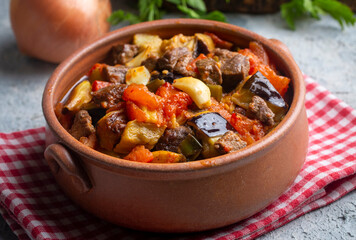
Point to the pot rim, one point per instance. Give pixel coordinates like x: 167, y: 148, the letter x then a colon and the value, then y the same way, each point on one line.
x: 243, y: 156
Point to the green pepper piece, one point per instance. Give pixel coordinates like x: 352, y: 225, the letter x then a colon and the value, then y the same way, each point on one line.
x: 216, y: 91
x: 155, y: 84
x: 190, y: 147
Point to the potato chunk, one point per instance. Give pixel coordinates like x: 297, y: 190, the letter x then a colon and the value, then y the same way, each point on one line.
x: 143, y: 40
x: 139, y: 133
x: 80, y: 95
x: 167, y: 157
x: 178, y: 40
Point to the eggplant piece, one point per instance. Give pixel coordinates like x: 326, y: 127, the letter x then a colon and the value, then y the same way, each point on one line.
x: 259, y: 85
x: 204, y: 44
x: 211, y: 124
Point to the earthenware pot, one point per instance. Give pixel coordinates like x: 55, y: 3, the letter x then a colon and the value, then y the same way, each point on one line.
x: 180, y: 197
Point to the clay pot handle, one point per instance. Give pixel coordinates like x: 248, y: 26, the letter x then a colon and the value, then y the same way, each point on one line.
x: 282, y: 46
x: 57, y: 156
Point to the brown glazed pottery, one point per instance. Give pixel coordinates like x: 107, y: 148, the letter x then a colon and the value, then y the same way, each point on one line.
x: 177, y: 197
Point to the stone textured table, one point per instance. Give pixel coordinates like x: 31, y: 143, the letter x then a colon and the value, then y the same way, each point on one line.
x: 321, y: 49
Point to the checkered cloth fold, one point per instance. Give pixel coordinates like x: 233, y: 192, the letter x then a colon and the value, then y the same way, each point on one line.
x: 35, y: 208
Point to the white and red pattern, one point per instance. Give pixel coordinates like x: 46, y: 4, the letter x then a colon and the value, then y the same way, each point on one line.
x: 35, y: 208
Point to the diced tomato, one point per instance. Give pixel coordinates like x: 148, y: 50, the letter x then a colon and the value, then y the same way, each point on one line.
x: 139, y: 94
x: 219, y: 42
x: 99, y: 84
x: 174, y: 101
x: 143, y: 114
x: 249, y: 130
x: 192, y: 65
x: 177, y: 103
x: 134, y: 112
x: 166, y: 90
x: 140, y: 154
x: 259, y: 51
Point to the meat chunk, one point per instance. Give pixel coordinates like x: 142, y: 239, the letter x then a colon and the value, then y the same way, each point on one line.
x: 82, y: 126
x: 150, y: 63
x: 209, y: 71
x: 110, y: 128
x: 234, y: 71
x: 172, y: 138
x: 124, y: 53
x: 223, y: 54
x: 181, y: 66
x: 229, y: 142
x: 109, y: 96
x: 171, y: 57
x: 261, y: 111
x: 115, y: 74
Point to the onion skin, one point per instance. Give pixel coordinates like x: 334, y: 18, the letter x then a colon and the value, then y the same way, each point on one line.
x: 51, y: 30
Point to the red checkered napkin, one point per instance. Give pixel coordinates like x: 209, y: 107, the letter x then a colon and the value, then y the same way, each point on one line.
x: 35, y: 207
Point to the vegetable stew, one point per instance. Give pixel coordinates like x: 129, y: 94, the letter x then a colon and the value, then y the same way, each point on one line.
x: 175, y: 100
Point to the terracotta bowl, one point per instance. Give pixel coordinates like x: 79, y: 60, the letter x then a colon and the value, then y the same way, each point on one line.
x: 180, y: 197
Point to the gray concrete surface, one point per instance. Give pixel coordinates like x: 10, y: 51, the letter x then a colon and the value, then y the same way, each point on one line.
x: 321, y: 49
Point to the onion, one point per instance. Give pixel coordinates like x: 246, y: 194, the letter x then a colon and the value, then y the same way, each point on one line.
x: 52, y: 29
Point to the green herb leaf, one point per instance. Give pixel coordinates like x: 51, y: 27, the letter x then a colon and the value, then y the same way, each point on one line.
x: 291, y: 11
x: 295, y: 9
x: 197, y: 4
x: 119, y: 16
x: 338, y: 11
x: 176, y: 2
x: 152, y: 9
x: 215, y: 15
x: 190, y: 12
